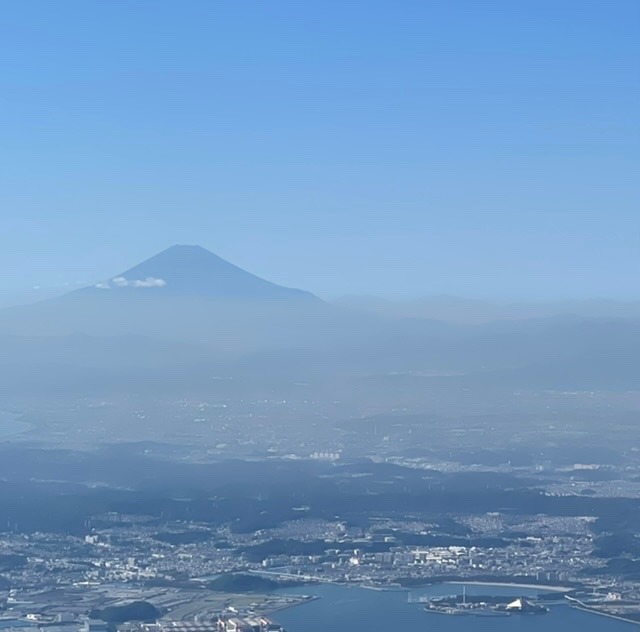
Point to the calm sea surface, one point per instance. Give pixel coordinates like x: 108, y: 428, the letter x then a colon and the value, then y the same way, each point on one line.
x: 343, y: 609
x: 11, y: 425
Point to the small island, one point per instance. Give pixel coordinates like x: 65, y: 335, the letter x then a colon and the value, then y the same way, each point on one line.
x: 482, y: 606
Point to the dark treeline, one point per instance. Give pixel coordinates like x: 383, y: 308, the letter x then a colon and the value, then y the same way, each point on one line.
x: 253, y: 496
x: 259, y: 552
x: 177, y: 538
x: 243, y: 583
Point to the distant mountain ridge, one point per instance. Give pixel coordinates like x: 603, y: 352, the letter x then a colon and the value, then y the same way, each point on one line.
x: 470, y: 311
x: 192, y: 271
x: 186, y: 315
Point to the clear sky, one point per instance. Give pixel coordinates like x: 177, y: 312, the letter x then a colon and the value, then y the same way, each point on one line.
x: 399, y: 148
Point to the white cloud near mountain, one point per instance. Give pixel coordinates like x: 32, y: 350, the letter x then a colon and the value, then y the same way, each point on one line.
x: 121, y: 281
x: 149, y: 282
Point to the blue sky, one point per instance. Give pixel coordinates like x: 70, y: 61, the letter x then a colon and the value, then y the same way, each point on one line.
x: 480, y: 148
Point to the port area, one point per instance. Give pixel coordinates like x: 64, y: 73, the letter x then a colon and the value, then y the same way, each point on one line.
x: 230, y: 612
x: 208, y: 606
x: 65, y: 608
x: 481, y: 606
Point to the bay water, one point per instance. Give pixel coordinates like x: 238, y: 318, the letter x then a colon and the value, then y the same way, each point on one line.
x: 351, y: 609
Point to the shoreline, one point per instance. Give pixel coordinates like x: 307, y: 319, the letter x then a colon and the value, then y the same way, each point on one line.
x: 605, y: 614
x: 558, y: 589
x: 288, y: 606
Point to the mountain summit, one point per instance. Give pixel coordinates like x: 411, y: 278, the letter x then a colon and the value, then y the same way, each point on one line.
x: 192, y: 271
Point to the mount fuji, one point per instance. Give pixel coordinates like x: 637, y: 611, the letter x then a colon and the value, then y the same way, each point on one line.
x: 191, y: 271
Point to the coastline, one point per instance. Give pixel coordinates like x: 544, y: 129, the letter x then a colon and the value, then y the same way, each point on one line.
x: 289, y: 606
x: 558, y: 589
x: 579, y: 605
x: 605, y: 614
